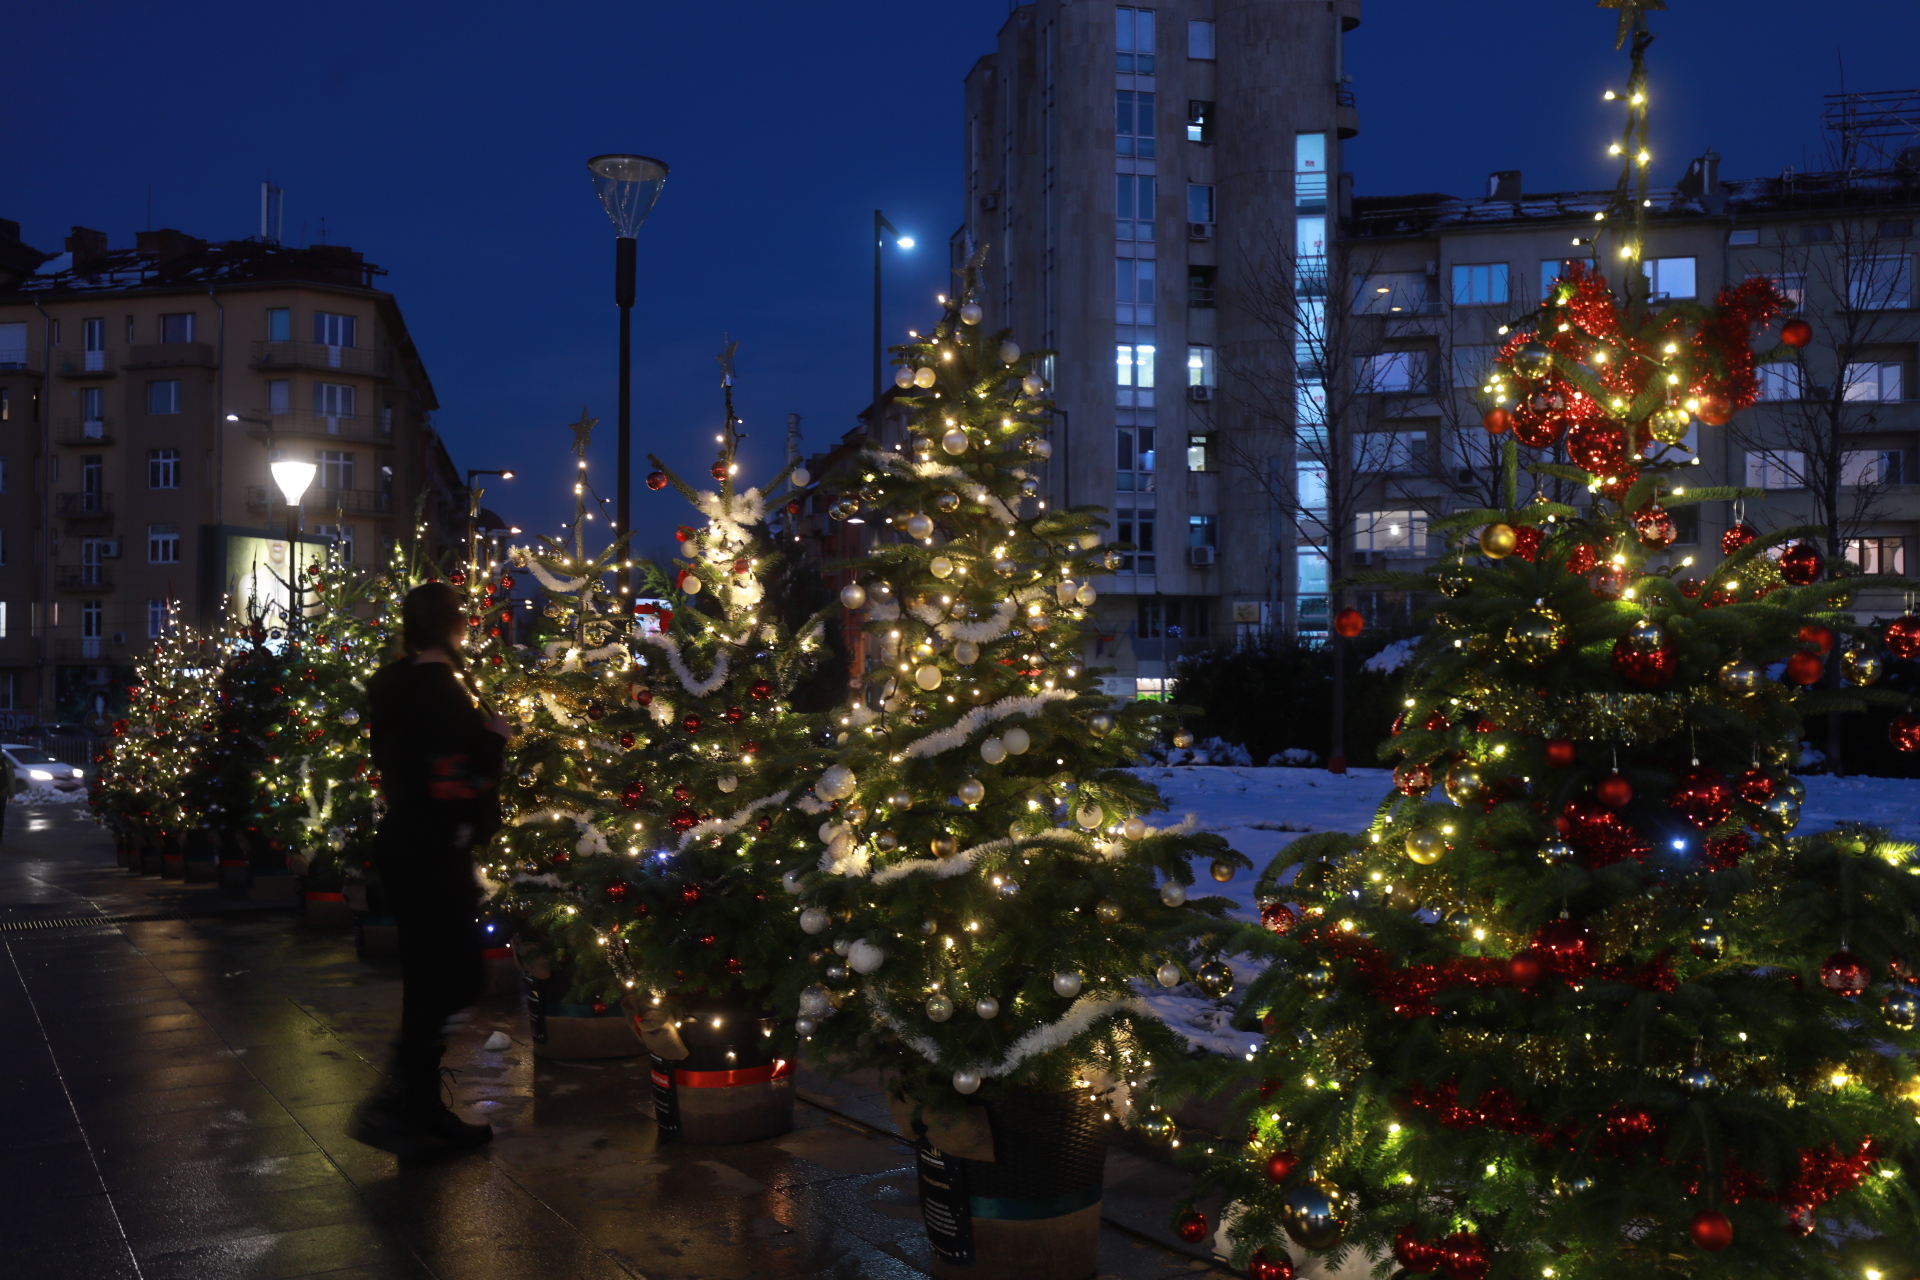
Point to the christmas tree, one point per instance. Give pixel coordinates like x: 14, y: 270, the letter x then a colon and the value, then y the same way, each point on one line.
x: 989, y: 889
x: 1578, y: 998
x: 149, y: 763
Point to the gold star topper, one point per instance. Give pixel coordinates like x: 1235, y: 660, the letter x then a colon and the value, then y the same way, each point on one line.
x: 1633, y: 15
x: 582, y: 432
x: 726, y: 361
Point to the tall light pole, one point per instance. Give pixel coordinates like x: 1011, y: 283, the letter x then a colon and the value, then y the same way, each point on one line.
x: 881, y: 230
x: 628, y: 186
x: 473, y: 507
x: 293, y: 478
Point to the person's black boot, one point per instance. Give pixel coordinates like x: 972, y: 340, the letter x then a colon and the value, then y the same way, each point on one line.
x: 428, y: 1110
x: 387, y: 1122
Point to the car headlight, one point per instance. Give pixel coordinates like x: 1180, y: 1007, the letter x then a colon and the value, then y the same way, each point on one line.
x: 40, y: 775
x: 76, y: 773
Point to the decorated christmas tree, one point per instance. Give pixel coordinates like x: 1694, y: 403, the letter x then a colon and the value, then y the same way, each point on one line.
x: 1579, y: 999
x: 153, y: 752
x: 987, y: 889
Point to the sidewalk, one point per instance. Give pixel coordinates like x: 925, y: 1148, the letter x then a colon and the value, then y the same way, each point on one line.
x: 177, y: 1092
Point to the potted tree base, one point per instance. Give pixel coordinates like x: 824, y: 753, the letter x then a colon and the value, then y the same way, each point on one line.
x: 565, y: 1029
x: 715, y: 1079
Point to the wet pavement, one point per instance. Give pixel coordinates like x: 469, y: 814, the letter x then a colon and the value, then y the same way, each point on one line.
x: 174, y: 1095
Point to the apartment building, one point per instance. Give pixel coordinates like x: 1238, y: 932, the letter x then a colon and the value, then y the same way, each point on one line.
x: 1134, y: 174
x: 144, y: 392
x: 1430, y: 279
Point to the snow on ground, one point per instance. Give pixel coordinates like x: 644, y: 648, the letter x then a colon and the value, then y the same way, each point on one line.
x: 48, y: 795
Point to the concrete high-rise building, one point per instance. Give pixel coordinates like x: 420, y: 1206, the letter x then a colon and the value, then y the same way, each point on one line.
x: 143, y: 394
x: 1134, y: 175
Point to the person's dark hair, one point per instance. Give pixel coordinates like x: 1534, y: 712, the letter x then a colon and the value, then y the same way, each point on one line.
x: 428, y: 617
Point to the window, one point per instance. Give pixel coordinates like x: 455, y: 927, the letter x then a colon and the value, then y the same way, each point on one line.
x: 1390, y: 452
x: 1310, y: 173
x: 1781, y: 380
x: 333, y: 400
x: 1793, y: 287
x: 6, y: 405
x: 1388, y: 292
x: 1874, y: 381
x: 1776, y: 469
x: 177, y: 328
x: 1896, y: 228
x: 279, y: 395
x: 1199, y: 451
x: 1310, y: 569
x: 330, y: 330
x: 1877, y: 555
x: 1479, y: 284
x: 1404, y: 532
x: 93, y: 561
x: 93, y: 481
x: 13, y: 345
x: 1551, y: 269
x: 1863, y: 468
x: 1133, y: 367
x: 1686, y: 524
x: 3, y: 636
x: 163, y: 544
x: 1134, y: 459
x: 1133, y: 206
x: 1199, y: 39
x: 1133, y: 291
x: 342, y: 537
x: 93, y: 342
x: 1816, y: 235
x: 1199, y: 203
x: 91, y: 614
x: 1748, y: 236
x: 163, y: 468
x: 1135, y: 526
x: 1391, y: 371
x: 1133, y: 123
x: 157, y: 618
x: 336, y: 469
x: 1881, y: 284
x: 163, y: 397
x: 1200, y: 367
x: 1133, y: 39
x: 279, y: 324
x: 1199, y: 121
x: 1203, y: 531
x: 1671, y: 278
x: 1310, y: 488
x: 1472, y: 362
x: 1200, y: 286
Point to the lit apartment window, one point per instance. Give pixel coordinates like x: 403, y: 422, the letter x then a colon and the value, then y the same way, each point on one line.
x: 1403, y: 532
x: 1479, y: 284
x: 1671, y: 278
x: 1199, y: 451
x: 1133, y: 205
x: 1864, y: 468
x: 1881, y: 284
x: 1133, y: 369
x: 1203, y: 531
x: 1133, y: 291
x: 1748, y: 236
x: 1135, y: 526
x: 336, y: 469
x: 1133, y: 123
x: 1776, y: 469
x: 1133, y: 460
x: 6, y: 406
x: 163, y: 468
x: 1200, y: 39
x: 1551, y: 269
x: 1879, y: 380
x: 333, y: 400
x: 1133, y: 38
x: 178, y: 328
x: 1781, y: 381
x: 163, y: 544
x: 1391, y: 293
x: 1391, y: 371
x: 1873, y: 555
x: 331, y: 330
x: 279, y: 324
x: 3, y: 636
x: 1310, y: 173
x: 163, y: 397
x: 1200, y: 367
x: 1199, y: 202
x: 1199, y: 121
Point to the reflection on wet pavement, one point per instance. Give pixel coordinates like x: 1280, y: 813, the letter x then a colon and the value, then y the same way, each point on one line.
x: 178, y: 1090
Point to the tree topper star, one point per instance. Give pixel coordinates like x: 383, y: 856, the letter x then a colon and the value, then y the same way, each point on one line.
x: 726, y: 362
x: 1633, y: 14
x: 582, y: 433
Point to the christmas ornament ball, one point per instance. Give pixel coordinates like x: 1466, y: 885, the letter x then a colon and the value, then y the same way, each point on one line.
x: 1413, y: 779
x: 1156, y: 1126
x: 1182, y: 739
x: 1167, y: 975
x: 1009, y: 351
x: 1801, y: 564
x: 1556, y: 853
x: 1537, y: 635
x: 1262, y: 1266
x: 1903, y: 637
x: 1861, y: 666
x: 1311, y: 1215
x: 1066, y: 984
x: 1738, y: 677
x: 1173, y: 893
x: 1100, y: 724
x: 1532, y: 359
x: 1425, y: 846
x: 971, y: 313
x: 1464, y: 1257
x: 1901, y: 1008
x: 1221, y: 870
x: 965, y: 1081
x: 1796, y: 332
x: 1107, y: 911
x: 986, y: 1008
x: 1844, y: 974
x: 1348, y: 623
x: 1715, y: 411
x: 1669, y: 426
x: 1711, y: 1230
x: 1648, y: 669
x: 656, y: 480
x: 1614, y: 791
x: 853, y: 596
x: 1697, y: 1079
x: 1215, y: 978
x: 1707, y: 941
x: 1192, y: 1226
x: 1903, y: 731
x: 1738, y: 535
x: 954, y: 442
x: 1805, y: 668
x: 939, y: 1008
x: 1497, y: 541
x: 972, y: 791
x: 814, y: 920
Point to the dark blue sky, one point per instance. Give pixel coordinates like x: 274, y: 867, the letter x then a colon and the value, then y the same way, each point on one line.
x: 447, y: 142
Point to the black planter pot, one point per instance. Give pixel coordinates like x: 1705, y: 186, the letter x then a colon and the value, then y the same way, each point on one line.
x: 730, y: 1087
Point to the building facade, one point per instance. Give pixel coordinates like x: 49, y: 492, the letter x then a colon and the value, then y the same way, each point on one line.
x: 144, y: 393
x: 1134, y: 175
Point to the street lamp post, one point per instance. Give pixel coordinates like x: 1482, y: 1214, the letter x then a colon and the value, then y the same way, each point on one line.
x: 473, y: 507
x: 881, y: 230
x: 628, y: 186
x: 293, y: 478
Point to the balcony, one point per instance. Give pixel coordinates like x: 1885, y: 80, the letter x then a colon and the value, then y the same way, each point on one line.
x: 84, y: 364
x: 301, y: 423
x: 318, y: 355
x: 84, y: 506
x: 82, y: 432
x: 170, y: 355
x: 82, y: 577
x: 19, y: 360
x: 85, y: 649
x: 323, y: 502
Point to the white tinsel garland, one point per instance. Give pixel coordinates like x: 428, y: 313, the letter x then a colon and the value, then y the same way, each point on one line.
x: 592, y: 839
x: 698, y: 688
x: 963, y: 861
x: 563, y: 586
x: 727, y: 826
x: 749, y: 508
x: 559, y: 713
x: 810, y: 804
x: 661, y: 710
x: 960, y: 731
x: 1085, y: 1011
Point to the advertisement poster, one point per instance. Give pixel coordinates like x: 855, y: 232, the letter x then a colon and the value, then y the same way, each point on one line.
x: 258, y: 577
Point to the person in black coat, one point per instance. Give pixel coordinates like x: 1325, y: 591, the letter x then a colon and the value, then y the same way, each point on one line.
x: 438, y: 753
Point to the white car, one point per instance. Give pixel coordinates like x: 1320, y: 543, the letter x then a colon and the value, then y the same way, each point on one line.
x: 33, y: 767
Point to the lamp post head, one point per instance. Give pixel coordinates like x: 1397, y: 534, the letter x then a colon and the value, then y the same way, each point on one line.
x: 905, y: 242
x: 293, y: 479
x: 627, y: 186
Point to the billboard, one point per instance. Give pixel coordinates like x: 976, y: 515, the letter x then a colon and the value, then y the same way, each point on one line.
x: 259, y: 574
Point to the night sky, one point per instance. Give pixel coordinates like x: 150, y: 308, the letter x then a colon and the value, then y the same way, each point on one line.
x: 447, y: 143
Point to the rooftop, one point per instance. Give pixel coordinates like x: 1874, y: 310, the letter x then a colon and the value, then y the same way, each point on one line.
x: 171, y: 259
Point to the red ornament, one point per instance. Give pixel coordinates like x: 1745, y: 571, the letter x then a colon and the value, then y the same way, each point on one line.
x: 1648, y: 670
x: 690, y: 894
x: 708, y: 939
x: 1735, y: 538
x: 595, y: 710
x: 1192, y: 1226
x: 656, y: 480
x: 747, y: 748
x: 734, y: 966
x: 1801, y: 564
x: 643, y: 696
x: 1261, y: 1267
x: 1654, y: 527
x: 1805, y: 668
x: 1278, y: 917
x: 1844, y: 974
x: 1413, y: 779
x: 1566, y: 949
x: 627, y: 741
x: 1536, y: 432
x: 1817, y: 635
x: 617, y: 891
x: 458, y: 577
x: 1715, y: 411
x: 760, y: 690
x: 690, y: 722
x: 1903, y: 731
x: 681, y: 793
x: 1703, y: 797
x: 1436, y: 722
x: 733, y: 715
x: 1597, y: 446
x: 1903, y: 637
x: 598, y: 1006
x: 1609, y: 581
x: 684, y: 533
x: 1616, y: 486
x: 630, y: 798
x: 1614, y: 791
x: 1582, y: 558
x: 763, y: 824
x: 718, y: 470
x: 1348, y: 623
x: 1560, y: 753
x: 1722, y: 853
x: 1464, y: 1257
x: 683, y: 819
x: 1496, y: 420
x: 1796, y: 333
x: 1756, y: 786
x: 1526, y: 542
x: 1413, y: 1253
x: 1280, y: 1166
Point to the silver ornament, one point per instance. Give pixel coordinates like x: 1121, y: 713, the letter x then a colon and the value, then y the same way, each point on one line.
x: 1066, y: 984
x: 987, y: 1008
x: 1167, y: 975
x: 1173, y: 893
x: 939, y: 1008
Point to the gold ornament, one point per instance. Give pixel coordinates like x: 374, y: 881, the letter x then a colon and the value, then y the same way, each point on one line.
x: 1497, y: 541
x: 1107, y: 911
x: 1537, y: 635
x: 1222, y: 870
x: 1100, y: 724
x: 1465, y: 783
x: 900, y: 799
x: 940, y: 567
x: 920, y: 525
x: 1425, y: 845
x: 1738, y: 677
x: 1860, y: 665
x: 1156, y: 1127
x: 944, y: 845
x: 927, y: 677
x: 1669, y: 426
x: 954, y: 442
x: 1312, y: 1215
x: 972, y: 791
x: 1182, y: 739
x: 1453, y: 580
x: 1778, y: 753
x: 947, y: 502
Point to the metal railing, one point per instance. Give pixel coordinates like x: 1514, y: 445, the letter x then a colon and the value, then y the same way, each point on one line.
x: 83, y: 364
x: 16, y: 359
x: 82, y: 577
x: 300, y: 422
x: 85, y: 649
x: 167, y: 355
x: 319, y: 355
x: 89, y: 505
x: 321, y: 502
x: 83, y: 431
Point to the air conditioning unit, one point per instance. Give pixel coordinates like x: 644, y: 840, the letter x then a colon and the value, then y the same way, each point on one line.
x: 110, y: 548
x: 1200, y: 557
x: 1199, y: 231
x: 1199, y: 394
x: 119, y: 637
x: 1362, y: 559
